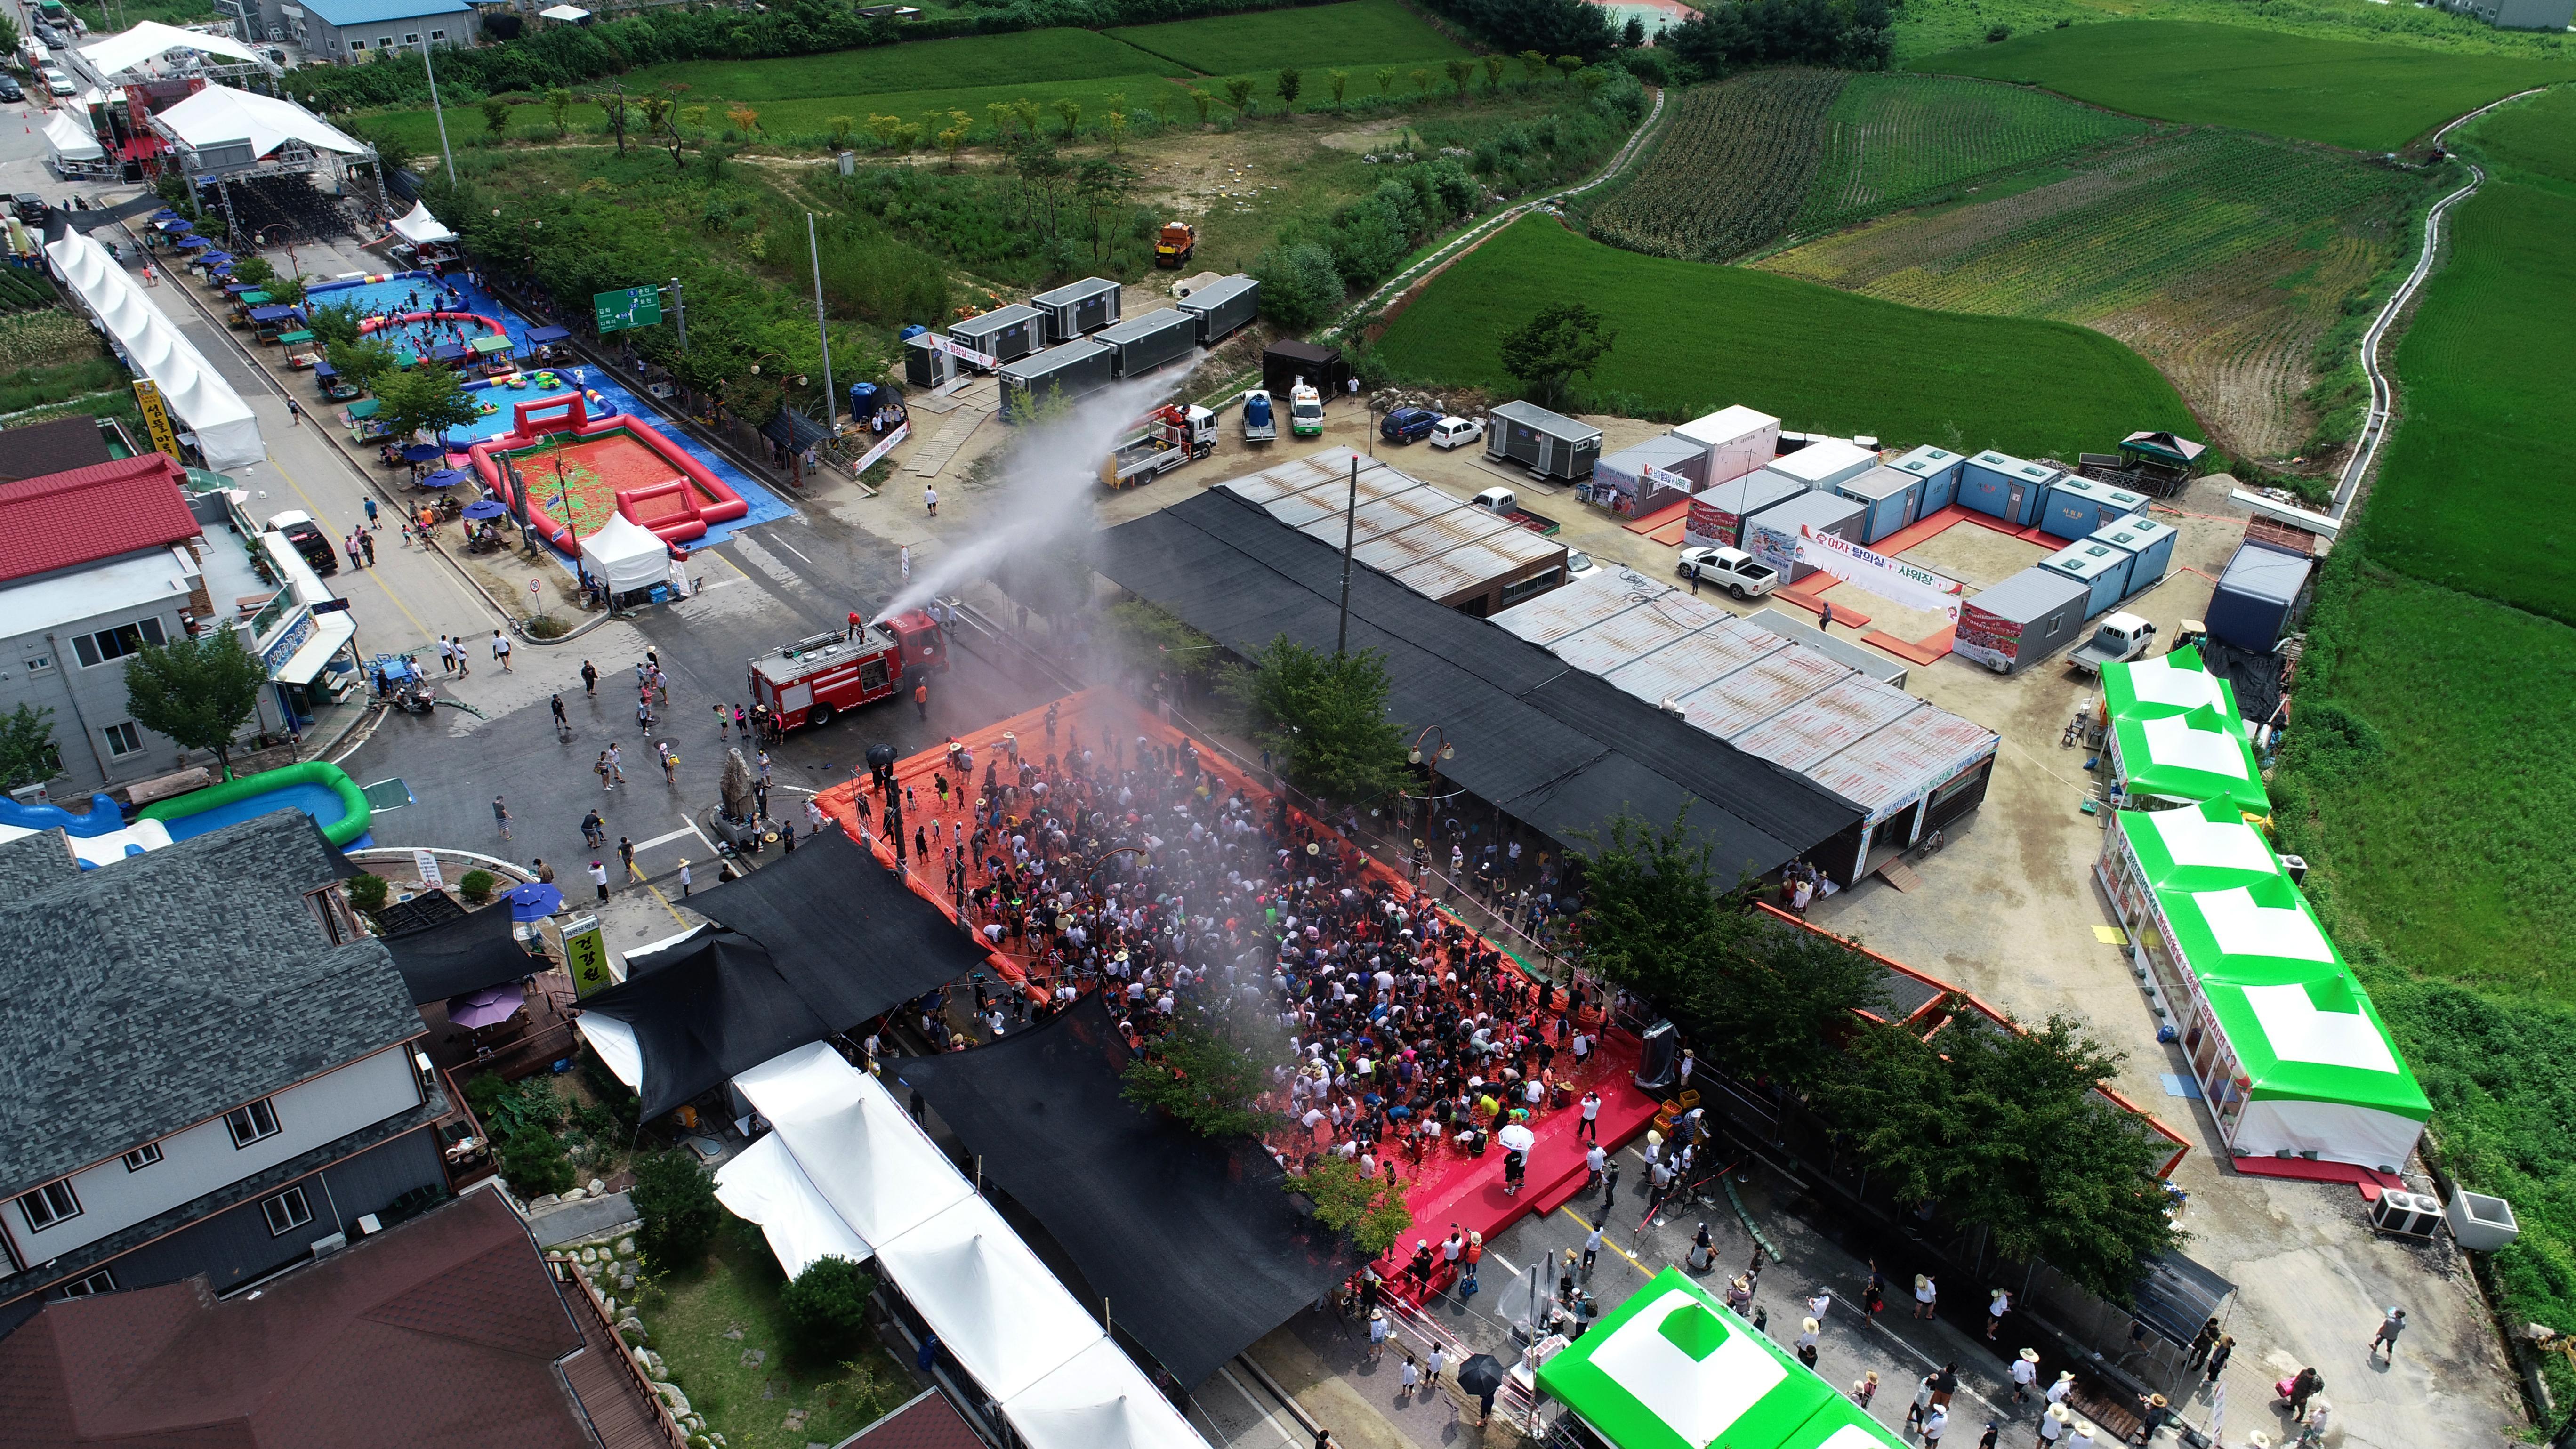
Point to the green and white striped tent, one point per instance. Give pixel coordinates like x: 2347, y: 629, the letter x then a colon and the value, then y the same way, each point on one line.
x: 1673, y: 1368
x: 2176, y: 736
x: 2288, y: 1050
x: 2175, y: 683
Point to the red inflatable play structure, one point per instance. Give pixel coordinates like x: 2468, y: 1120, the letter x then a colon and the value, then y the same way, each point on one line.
x: 579, y: 468
x: 377, y: 324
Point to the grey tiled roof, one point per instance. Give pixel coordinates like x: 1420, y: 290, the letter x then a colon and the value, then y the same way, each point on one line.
x: 172, y: 987
x: 34, y: 862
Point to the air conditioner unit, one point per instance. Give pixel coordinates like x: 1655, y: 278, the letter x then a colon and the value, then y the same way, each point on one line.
x: 2295, y: 868
x: 369, y: 1226
x: 32, y: 795
x: 2407, y: 1214
x: 325, y: 1247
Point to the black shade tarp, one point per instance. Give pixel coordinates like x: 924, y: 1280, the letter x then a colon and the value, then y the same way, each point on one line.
x: 851, y: 939
x: 461, y: 954
x: 1558, y: 749
x: 1197, y: 1246
x: 704, y: 1010
x: 2176, y: 1296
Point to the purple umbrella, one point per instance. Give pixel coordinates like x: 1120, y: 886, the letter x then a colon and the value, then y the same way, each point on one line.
x: 488, y: 1007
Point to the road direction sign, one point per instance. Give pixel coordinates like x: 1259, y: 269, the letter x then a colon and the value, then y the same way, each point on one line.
x: 632, y: 307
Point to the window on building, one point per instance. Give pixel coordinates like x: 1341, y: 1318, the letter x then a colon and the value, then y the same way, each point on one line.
x: 143, y: 1157
x: 116, y: 643
x: 252, y: 1123
x: 412, y: 39
x: 287, y: 1211
x: 124, y: 739
x: 101, y: 1281
x: 384, y: 42
x: 331, y: 910
x: 438, y: 35
x: 40, y: 664
x: 49, y: 1205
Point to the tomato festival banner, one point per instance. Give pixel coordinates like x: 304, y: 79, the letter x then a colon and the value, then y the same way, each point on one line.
x: 1892, y: 579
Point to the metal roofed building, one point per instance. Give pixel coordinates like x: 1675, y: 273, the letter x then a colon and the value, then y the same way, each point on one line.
x: 349, y: 29
x: 1559, y: 750
x: 1443, y: 548
x: 1905, y: 764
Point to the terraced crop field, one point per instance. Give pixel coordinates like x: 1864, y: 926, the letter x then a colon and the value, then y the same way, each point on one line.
x: 2221, y: 256
x: 1901, y: 140
x: 1694, y: 337
x: 1728, y: 175
x: 1356, y: 33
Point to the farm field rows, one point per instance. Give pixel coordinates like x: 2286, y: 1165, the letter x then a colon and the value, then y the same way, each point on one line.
x: 2224, y: 257
x: 1728, y: 174
x: 1896, y: 139
x: 1356, y: 33
x: 2366, y: 96
x: 1933, y: 27
x: 1694, y: 337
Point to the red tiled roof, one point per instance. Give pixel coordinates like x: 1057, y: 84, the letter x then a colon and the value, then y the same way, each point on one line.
x: 928, y: 1422
x: 64, y: 520
x: 441, y: 1332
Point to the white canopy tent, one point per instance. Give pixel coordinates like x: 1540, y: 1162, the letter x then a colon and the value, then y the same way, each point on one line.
x: 151, y: 40
x: 567, y: 14
x: 626, y: 554
x: 227, y: 431
x: 420, y: 228
x: 843, y: 1146
x: 70, y: 140
x: 222, y: 116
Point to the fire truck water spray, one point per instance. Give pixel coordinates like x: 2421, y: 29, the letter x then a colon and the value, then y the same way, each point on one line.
x: 1050, y: 481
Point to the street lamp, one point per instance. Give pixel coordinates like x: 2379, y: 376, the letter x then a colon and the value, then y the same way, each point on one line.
x: 1431, y: 757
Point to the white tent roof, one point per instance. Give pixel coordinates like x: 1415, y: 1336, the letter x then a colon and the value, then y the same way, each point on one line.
x: 626, y: 553
x: 2157, y: 681
x: 2176, y: 740
x: 2193, y: 839
x: 227, y: 432
x: 70, y: 139
x: 151, y: 39
x: 2244, y: 926
x: 220, y: 116
x: 564, y: 12
x: 1068, y: 1409
x: 865, y: 1156
x: 997, y: 1307
x: 763, y: 1184
x: 417, y: 225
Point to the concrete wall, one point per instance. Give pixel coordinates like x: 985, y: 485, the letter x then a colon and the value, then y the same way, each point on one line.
x: 88, y: 700
x: 327, y: 41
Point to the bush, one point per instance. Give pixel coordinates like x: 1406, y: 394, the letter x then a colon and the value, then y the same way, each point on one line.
x: 477, y: 886
x: 368, y: 892
x: 677, y: 1203
x: 546, y: 626
x: 826, y: 1308
x: 1998, y: 35
x: 534, y: 1165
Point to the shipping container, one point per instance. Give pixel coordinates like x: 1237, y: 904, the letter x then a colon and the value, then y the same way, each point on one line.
x: 1717, y: 513
x: 1285, y: 364
x: 2258, y: 596
x: 1939, y: 469
x: 1772, y: 534
x: 2150, y: 546
x: 1825, y: 462
x: 2102, y: 569
x: 1056, y: 376
x: 1222, y: 306
x: 2001, y: 486
x: 1006, y: 333
x: 1736, y: 441
x: 1548, y: 444
x: 1138, y: 347
x: 1619, y: 480
x: 2079, y: 507
x: 1077, y: 309
x: 2022, y: 620
x: 1893, y: 497
x: 925, y: 365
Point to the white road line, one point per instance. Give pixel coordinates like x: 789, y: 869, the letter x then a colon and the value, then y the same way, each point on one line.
x: 791, y: 548
x: 701, y: 835
x: 667, y: 839
x: 1508, y: 1266
x: 1257, y: 1407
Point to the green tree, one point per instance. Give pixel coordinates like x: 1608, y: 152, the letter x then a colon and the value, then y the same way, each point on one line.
x: 1071, y: 110
x: 1564, y: 339
x: 1291, y: 81
x: 332, y: 322
x: 1590, y: 80
x: 1461, y: 70
x: 285, y: 291
x: 1029, y: 112
x: 1323, y: 715
x: 1117, y: 122
x: 1532, y: 62
x: 953, y: 139
x: 27, y: 752
x: 1493, y: 73
x: 1202, y: 100
x: 1238, y: 92
x: 885, y: 129
x: 559, y: 109
x: 826, y: 1311
x: 658, y: 122
x: 198, y: 691
x: 1386, y: 80
x: 1652, y: 908
x: 8, y: 33
x: 394, y: 150
x: 1208, y: 1072
x: 424, y: 400
x: 1777, y: 1003
x: 255, y: 270
x: 1340, y: 80
x: 1421, y: 79
x: 677, y: 1204
x: 1370, y: 1211
x: 363, y: 361
x: 1150, y: 640
x: 496, y: 116
x: 535, y: 1165
x: 1300, y: 286
x: 1567, y: 65
x: 613, y: 106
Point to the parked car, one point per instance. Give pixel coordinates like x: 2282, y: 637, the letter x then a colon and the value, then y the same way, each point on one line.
x: 1732, y: 569
x: 1408, y: 425
x: 308, y: 539
x: 9, y: 89
x: 57, y: 82
x: 1456, y: 432
x: 1578, y: 563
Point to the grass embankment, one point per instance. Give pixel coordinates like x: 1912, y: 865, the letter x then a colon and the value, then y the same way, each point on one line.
x: 2365, y: 95
x: 1693, y: 338
x: 1904, y: 140
x: 753, y: 1403
x: 1935, y: 27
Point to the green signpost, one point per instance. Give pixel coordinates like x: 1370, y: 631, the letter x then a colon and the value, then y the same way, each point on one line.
x: 632, y: 307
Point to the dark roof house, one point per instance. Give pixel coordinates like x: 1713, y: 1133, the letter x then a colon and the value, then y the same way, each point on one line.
x: 55, y: 447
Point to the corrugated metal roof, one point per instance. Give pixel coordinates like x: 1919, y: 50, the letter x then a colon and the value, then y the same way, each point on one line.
x: 1072, y: 292
x: 1893, y: 766
x: 1428, y: 538
x: 1579, y: 605
x: 1747, y: 697
x: 1815, y: 730
x: 1460, y: 570
x: 1695, y: 661
x: 1626, y: 635
x: 1555, y: 425
x: 1152, y: 324
x: 1879, y: 482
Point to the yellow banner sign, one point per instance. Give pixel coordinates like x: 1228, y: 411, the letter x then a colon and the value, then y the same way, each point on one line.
x: 586, y: 956
x: 147, y: 395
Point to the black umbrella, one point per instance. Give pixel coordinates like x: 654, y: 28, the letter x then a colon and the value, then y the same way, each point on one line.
x: 1481, y: 1376
x: 881, y: 755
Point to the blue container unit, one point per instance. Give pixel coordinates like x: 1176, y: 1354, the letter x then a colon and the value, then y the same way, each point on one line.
x: 1939, y: 469
x: 2097, y: 566
x: 2148, y: 544
x: 2001, y: 486
x: 1892, y: 497
x: 2078, y: 508
x: 2257, y: 596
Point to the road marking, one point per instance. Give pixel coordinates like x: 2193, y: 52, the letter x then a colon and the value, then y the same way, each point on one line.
x: 1267, y: 1417
x: 791, y: 548
x: 1508, y: 1266
x: 1605, y: 1242
x: 666, y: 839
x: 701, y: 835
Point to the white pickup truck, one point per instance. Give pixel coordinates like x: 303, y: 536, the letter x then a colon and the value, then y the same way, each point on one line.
x: 1732, y: 569
x: 2121, y: 637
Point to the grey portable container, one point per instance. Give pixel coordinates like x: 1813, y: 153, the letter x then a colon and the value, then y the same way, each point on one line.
x: 2022, y: 620
x: 1772, y: 534
x: 1550, y: 444
x: 1222, y: 306
x: 1008, y: 333
x: 925, y: 365
x: 1060, y: 374
x: 1077, y: 309
x: 1140, y: 346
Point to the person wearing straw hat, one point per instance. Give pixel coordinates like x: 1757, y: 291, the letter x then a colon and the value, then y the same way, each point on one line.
x: 2082, y: 1435
x: 1808, y: 1332
x: 1935, y: 1424
x: 2065, y: 1385
x: 1927, y: 1295
x: 2257, y: 1439
x: 2053, y: 1425
x: 1377, y: 1334
x: 2025, y: 1374
x: 2154, y: 1412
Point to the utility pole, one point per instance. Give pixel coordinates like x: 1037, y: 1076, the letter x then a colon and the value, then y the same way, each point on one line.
x: 435, y: 109
x: 1350, y: 527
x: 680, y: 313
x: 822, y: 329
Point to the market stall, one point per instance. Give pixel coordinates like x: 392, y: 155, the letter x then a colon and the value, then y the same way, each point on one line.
x: 2175, y: 736
x: 2290, y: 1055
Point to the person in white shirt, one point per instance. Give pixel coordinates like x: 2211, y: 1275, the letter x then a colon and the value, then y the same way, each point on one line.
x: 2025, y: 1373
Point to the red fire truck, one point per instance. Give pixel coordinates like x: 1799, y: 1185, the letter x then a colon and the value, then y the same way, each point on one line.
x: 813, y: 679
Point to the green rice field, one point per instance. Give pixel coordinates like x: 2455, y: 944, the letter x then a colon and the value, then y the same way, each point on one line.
x: 1694, y: 337
x: 1895, y: 140
x: 2365, y: 95
x: 1357, y: 33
